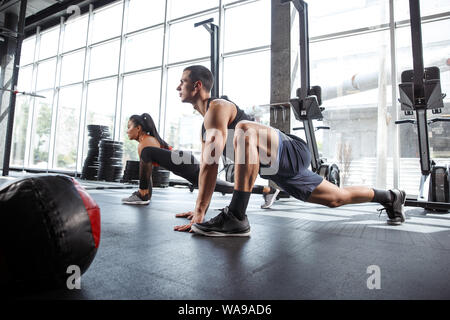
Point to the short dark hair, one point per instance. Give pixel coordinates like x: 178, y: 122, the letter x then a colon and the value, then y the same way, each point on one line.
x: 201, y: 73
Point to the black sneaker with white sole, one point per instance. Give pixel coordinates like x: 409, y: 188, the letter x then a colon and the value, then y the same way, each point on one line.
x: 225, y: 224
x: 395, y: 210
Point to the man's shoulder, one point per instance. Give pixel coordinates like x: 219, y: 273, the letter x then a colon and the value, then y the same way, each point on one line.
x: 220, y: 102
x: 218, y: 115
x: 220, y: 107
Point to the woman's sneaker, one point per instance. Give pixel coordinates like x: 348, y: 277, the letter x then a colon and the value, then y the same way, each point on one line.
x: 395, y: 210
x: 136, y: 198
x: 225, y: 224
x: 269, y: 199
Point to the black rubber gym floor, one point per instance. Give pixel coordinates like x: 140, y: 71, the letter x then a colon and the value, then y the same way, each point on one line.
x: 296, y: 251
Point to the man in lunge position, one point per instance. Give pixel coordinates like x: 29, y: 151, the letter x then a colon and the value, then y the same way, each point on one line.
x: 283, y: 158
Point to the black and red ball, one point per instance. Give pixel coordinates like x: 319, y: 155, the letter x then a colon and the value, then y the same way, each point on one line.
x: 48, y: 223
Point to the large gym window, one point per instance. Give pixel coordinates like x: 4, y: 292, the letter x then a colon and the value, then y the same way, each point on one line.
x: 247, y: 26
x: 72, y: 68
x: 23, y: 104
x: 182, y: 123
x: 19, y: 139
x: 137, y: 51
x: 144, y: 50
x: 355, y: 90
x: 180, y: 8
x: 67, y: 128
x: 28, y: 48
x: 104, y: 60
x: 40, y: 130
x: 49, y: 44
x: 330, y: 17
x: 46, y: 74
x: 75, y: 32
x: 187, y: 42
x: 246, y: 81
x: 427, y: 8
x: 140, y: 94
x: 107, y: 23
x: 436, y: 49
x: 145, y: 13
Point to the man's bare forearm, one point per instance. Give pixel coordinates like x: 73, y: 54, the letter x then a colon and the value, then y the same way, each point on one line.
x: 206, y: 184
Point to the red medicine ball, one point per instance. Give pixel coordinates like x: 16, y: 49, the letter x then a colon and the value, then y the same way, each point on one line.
x: 49, y: 222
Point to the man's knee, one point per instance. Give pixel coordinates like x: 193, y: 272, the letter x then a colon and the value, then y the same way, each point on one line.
x: 244, y: 125
x: 244, y: 133
x: 339, y: 198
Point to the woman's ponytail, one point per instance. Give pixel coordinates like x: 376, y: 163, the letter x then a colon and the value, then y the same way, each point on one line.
x: 148, y: 126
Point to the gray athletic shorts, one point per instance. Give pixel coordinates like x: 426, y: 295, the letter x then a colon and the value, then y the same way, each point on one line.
x: 293, y: 175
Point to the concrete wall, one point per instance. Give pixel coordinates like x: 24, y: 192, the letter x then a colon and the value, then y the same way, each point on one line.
x: 280, y: 71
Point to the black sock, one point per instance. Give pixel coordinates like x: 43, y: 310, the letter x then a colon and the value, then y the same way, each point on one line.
x: 257, y: 189
x: 239, y: 203
x: 382, y: 196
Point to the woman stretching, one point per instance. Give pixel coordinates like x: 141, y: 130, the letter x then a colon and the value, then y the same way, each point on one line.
x: 153, y: 150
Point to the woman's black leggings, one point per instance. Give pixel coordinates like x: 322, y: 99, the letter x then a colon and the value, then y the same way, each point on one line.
x: 181, y: 163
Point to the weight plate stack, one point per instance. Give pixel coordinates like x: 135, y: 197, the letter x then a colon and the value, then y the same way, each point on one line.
x: 160, y: 177
x: 131, y: 172
x: 91, y: 163
x: 110, y: 160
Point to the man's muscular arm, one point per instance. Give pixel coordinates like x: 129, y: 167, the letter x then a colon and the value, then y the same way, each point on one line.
x: 216, y: 121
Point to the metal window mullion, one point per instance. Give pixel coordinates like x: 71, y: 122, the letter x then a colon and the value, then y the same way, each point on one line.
x: 31, y: 63
x: 189, y: 61
x: 221, y: 45
x: 28, y: 146
x: 150, y: 69
x: 30, y: 100
x: 73, y: 51
x: 145, y: 29
x: 111, y: 76
x: 238, y: 3
x: 246, y: 51
x: 380, y: 27
x: 56, y: 81
x: 394, y: 106
x: 120, y: 67
x: 84, y: 91
x: 425, y: 19
x: 164, y: 74
x: 46, y: 59
x: 192, y: 15
x: 64, y: 86
x: 101, y: 42
x: 349, y: 33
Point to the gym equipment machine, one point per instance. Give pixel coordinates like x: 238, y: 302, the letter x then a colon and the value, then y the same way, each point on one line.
x: 307, y: 104
x: 420, y: 90
x: 213, y: 29
x: 214, y: 32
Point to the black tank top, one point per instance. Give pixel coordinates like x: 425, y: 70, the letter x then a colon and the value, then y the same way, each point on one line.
x: 240, y: 115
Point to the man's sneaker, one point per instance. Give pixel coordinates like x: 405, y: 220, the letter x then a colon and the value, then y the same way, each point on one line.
x: 395, y: 210
x: 225, y: 224
x: 136, y: 198
x: 269, y: 199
